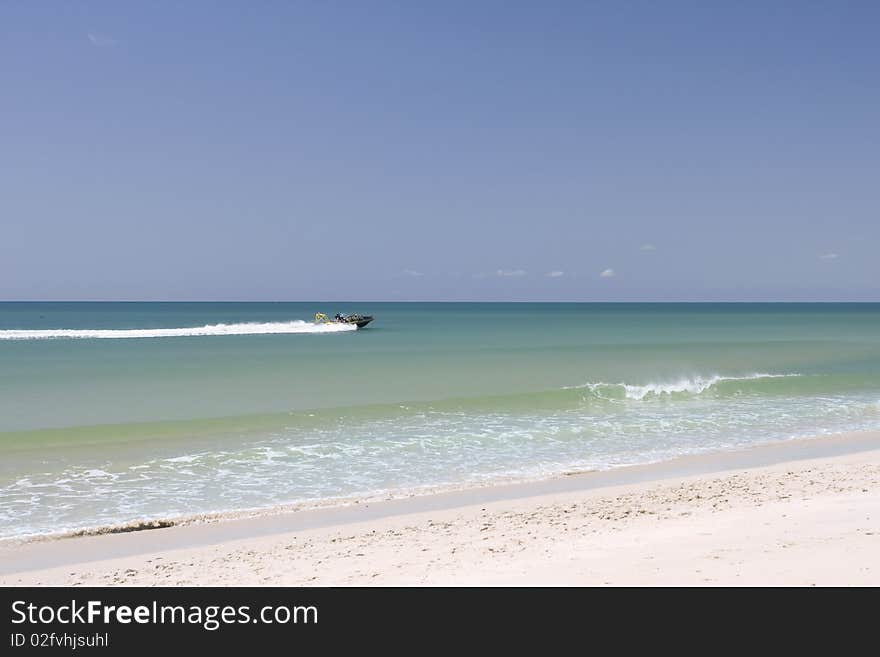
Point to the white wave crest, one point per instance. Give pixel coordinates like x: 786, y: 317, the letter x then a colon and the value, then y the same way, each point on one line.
x: 267, y: 328
x: 692, y: 386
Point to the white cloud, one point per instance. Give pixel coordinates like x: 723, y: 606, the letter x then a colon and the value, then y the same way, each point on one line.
x: 101, y: 40
x: 647, y: 247
x: 608, y: 273
x: 828, y: 256
x: 412, y: 272
x: 555, y: 273
x: 510, y: 273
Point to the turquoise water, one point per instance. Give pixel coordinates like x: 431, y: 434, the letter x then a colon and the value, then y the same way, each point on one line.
x: 112, y: 412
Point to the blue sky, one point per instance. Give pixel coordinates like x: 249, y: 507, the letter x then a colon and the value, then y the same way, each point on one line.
x: 440, y: 151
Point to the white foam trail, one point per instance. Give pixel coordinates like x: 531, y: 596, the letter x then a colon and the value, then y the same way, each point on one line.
x: 267, y: 328
x: 693, y: 386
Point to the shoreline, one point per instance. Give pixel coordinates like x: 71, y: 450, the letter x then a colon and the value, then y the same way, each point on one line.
x: 797, y: 448
x: 46, y: 555
x: 441, y: 495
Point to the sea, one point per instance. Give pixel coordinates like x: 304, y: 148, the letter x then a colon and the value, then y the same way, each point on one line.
x: 113, y: 413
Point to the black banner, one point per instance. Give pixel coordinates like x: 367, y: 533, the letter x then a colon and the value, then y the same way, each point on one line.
x: 385, y: 619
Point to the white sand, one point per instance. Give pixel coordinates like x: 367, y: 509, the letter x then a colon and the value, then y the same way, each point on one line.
x: 808, y: 522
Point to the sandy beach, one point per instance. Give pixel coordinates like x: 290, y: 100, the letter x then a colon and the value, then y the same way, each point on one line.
x: 795, y: 521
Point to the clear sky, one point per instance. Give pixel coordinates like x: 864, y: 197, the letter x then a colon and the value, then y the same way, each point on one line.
x: 440, y: 150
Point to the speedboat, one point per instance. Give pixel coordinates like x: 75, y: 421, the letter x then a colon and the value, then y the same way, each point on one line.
x: 356, y: 318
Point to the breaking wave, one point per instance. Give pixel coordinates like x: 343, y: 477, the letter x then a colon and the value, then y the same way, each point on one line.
x: 267, y: 328
x: 684, y: 386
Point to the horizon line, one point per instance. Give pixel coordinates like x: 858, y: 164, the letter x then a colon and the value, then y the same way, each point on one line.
x: 614, y: 301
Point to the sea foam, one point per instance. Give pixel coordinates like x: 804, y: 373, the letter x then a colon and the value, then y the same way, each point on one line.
x: 691, y: 386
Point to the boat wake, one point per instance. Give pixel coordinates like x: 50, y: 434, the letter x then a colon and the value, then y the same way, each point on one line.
x: 267, y: 328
